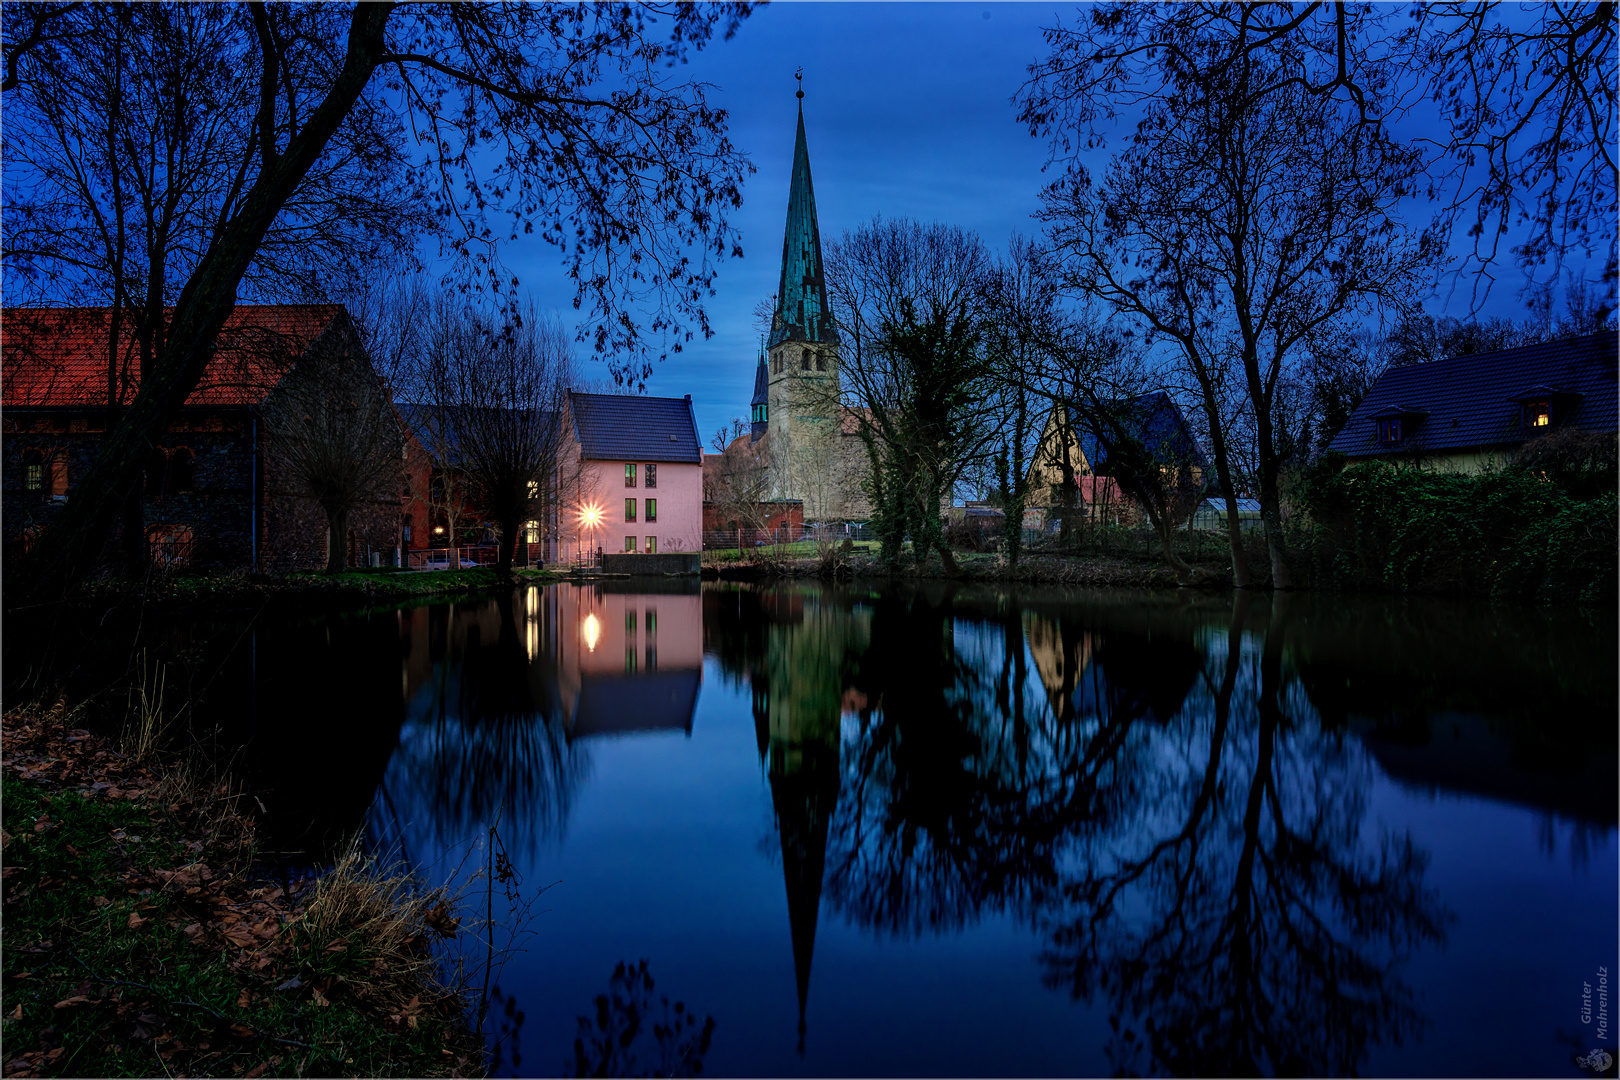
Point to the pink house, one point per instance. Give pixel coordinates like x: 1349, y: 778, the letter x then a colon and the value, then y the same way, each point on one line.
x: 637, y: 476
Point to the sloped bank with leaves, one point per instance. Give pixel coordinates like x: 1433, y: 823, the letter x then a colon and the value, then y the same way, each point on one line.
x: 142, y: 938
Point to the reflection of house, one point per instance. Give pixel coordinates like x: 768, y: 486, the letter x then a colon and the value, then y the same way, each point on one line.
x: 1470, y: 412
x: 642, y: 474
x: 626, y: 661
x: 212, y: 495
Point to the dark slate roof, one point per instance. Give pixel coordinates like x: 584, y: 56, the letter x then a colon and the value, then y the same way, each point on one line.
x: 663, y: 700
x: 1475, y: 402
x: 428, y: 421
x: 1155, y: 420
x: 802, y: 313
x: 762, y: 384
x: 620, y: 427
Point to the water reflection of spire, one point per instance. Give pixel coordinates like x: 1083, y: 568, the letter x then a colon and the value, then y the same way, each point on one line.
x: 797, y: 708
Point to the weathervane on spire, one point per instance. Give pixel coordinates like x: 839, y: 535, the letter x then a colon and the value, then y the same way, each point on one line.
x: 800, y: 76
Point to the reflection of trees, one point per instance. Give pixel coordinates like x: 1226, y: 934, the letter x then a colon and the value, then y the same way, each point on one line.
x: 482, y: 735
x: 1165, y: 808
x: 963, y: 784
x: 1233, y: 919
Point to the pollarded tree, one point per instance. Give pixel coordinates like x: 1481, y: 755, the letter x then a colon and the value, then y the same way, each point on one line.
x: 559, y: 119
x: 1234, y: 228
x: 333, y: 436
x: 497, y: 390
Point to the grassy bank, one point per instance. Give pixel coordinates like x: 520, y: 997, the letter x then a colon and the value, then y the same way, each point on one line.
x: 142, y: 938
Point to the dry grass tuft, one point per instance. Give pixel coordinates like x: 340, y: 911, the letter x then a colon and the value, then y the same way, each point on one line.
x: 369, y: 929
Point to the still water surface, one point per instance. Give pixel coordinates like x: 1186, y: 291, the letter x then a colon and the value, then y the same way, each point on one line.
x: 966, y: 831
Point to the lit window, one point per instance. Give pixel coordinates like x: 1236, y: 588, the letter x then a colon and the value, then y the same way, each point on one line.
x: 1389, y: 431
x: 33, y: 470
x: 629, y: 476
x: 531, y: 532
x: 652, y: 509
x: 170, y: 544
x: 1538, y: 414
x: 652, y: 545
x: 652, y: 475
x: 630, y: 545
x: 629, y: 509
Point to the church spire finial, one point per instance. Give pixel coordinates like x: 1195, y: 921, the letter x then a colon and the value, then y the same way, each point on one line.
x: 800, y: 76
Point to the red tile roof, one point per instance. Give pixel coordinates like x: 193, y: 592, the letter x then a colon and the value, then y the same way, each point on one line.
x: 58, y: 356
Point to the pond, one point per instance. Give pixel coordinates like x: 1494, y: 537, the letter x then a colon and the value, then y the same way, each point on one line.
x: 960, y: 831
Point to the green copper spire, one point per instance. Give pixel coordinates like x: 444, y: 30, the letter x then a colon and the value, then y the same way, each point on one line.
x: 801, y: 299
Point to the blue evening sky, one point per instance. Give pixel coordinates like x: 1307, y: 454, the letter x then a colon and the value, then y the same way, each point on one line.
x: 908, y: 113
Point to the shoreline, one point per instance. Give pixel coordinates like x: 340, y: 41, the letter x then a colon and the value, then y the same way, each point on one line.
x: 145, y: 935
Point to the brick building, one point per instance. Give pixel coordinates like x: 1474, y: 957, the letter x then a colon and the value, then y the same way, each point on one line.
x: 213, y: 494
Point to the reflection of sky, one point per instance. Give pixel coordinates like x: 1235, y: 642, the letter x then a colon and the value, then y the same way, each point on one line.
x: 670, y: 853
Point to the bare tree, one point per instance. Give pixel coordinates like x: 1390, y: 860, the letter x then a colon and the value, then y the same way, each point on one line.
x: 1525, y: 97
x: 1236, y: 227
x: 738, y: 485
x: 333, y: 436
x: 907, y: 299
x: 561, y: 117
x: 496, y: 391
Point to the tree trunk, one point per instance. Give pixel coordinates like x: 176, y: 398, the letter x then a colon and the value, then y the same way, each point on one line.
x: 506, y: 547
x: 337, y: 540
x: 73, y: 545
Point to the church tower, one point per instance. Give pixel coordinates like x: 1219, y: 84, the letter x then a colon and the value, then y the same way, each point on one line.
x: 759, y: 406
x: 802, y: 404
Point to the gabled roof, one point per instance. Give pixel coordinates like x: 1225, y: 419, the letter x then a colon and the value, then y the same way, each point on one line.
x: 802, y: 313
x: 57, y: 357
x: 1155, y: 421
x: 620, y: 427
x: 1471, y: 402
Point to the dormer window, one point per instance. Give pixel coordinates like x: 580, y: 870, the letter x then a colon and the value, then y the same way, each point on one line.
x: 1389, y: 431
x: 1545, y: 407
x: 1538, y: 414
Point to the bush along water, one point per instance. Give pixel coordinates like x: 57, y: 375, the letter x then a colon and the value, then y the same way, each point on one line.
x: 1518, y: 532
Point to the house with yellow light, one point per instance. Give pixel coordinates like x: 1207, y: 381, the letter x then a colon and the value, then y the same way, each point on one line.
x: 636, y: 477
x: 1471, y: 413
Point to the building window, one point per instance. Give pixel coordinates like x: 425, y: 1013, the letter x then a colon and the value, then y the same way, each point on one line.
x: 821, y: 361
x: 652, y: 545
x: 1538, y: 414
x: 56, y: 469
x: 531, y: 532
x: 1389, y: 431
x: 629, y: 509
x: 181, y: 471
x: 804, y: 359
x: 170, y: 544
x: 652, y: 509
x: 629, y: 475
x: 405, y: 536
x: 652, y: 475
x: 630, y: 621
x: 33, y: 470
x: 629, y: 545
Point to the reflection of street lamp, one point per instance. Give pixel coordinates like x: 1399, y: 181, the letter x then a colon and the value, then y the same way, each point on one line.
x: 590, y: 516
x: 593, y: 632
